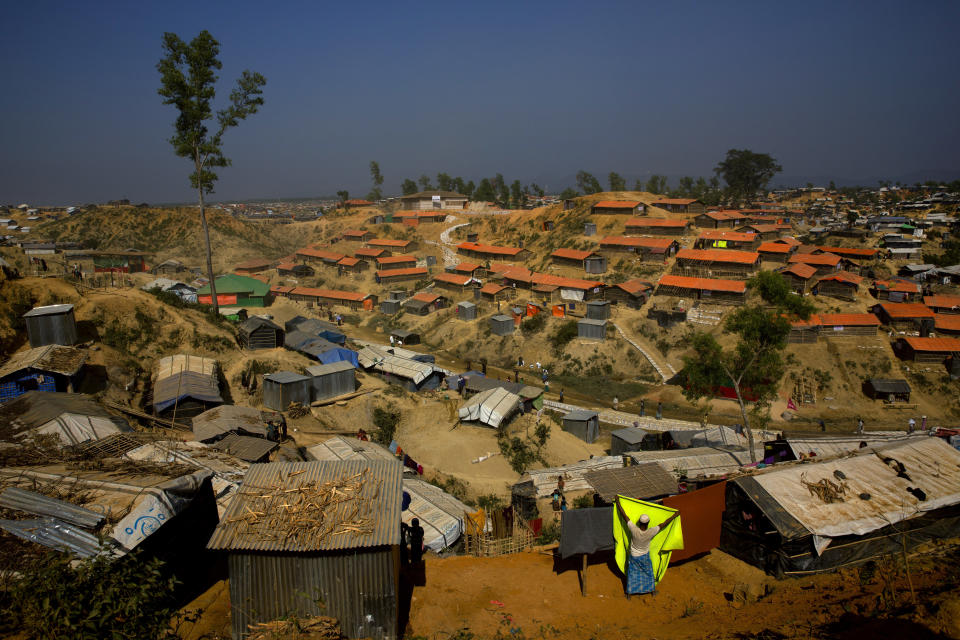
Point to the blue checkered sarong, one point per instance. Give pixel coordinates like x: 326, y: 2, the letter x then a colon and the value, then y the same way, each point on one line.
x: 640, y: 578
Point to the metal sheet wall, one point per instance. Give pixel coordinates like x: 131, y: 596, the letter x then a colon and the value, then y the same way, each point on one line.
x: 60, y: 328
x: 360, y: 588
x: 278, y: 396
x: 334, y: 384
x: 591, y: 331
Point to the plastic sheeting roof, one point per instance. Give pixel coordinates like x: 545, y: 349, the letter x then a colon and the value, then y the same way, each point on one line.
x: 931, y: 464
x: 172, y: 365
x: 490, y: 407
x: 440, y: 514
x: 188, y: 384
x: 545, y: 480
x: 74, y: 417
x: 384, y: 362
x: 833, y: 446
x: 341, y: 448
x: 226, y: 418
x: 698, y: 462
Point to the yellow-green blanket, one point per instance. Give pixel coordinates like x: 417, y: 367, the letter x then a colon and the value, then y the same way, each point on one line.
x: 661, y: 546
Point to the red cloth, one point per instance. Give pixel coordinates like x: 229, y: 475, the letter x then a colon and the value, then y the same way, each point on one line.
x: 701, y: 513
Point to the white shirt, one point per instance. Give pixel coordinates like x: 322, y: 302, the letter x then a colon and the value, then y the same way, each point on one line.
x: 640, y: 539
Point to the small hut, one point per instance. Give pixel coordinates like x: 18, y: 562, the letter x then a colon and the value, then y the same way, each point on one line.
x: 404, y: 336
x: 52, y: 324
x: 390, y: 307
x: 889, y: 391
x: 598, y: 310
x: 320, y: 563
x: 332, y: 380
x: 260, y: 333
x: 467, y: 311
x: 583, y: 424
x: 501, y: 325
x: 627, y: 439
x: 592, y: 329
x: 284, y: 387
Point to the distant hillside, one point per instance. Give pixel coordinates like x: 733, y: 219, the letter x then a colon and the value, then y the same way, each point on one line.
x: 169, y: 233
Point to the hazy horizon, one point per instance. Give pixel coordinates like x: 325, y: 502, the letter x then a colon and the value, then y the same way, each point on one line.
x: 536, y: 91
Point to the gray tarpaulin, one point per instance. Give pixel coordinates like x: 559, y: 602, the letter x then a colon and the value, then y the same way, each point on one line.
x: 586, y: 531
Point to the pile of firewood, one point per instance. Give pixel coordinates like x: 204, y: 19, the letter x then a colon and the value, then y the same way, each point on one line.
x: 317, y: 628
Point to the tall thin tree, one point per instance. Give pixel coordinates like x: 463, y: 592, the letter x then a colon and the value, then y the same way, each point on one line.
x: 187, y: 79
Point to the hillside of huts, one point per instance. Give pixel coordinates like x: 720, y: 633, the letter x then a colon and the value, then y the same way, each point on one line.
x: 455, y: 369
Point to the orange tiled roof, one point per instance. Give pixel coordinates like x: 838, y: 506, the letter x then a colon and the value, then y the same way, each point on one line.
x: 823, y: 259
x: 369, y: 252
x: 386, y: 273
x: 286, y: 266
x: 801, y: 270
x: 320, y: 253
x: 719, y: 255
x: 675, y: 201
x: 427, y: 297
x: 354, y: 233
x: 720, y: 234
x: 467, y: 267
x: 571, y: 254
x: 844, y: 276
x: 727, y: 214
x: 947, y: 322
x: 850, y: 251
x: 656, y: 222
x: 848, y: 319
x: 492, y: 288
x: 933, y: 344
x: 389, y: 242
x: 489, y: 248
x: 709, y: 284
x: 898, y: 286
x: 648, y: 243
x: 347, y: 261
x: 395, y: 259
x: 942, y: 301
x: 774, y: 247
x: 452, y: 278
x: 634, y: 286
x: 618, y: 204
x: 332, y: 294
x: 906, y: 310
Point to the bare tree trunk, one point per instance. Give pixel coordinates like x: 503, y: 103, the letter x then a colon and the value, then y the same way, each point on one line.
x: 746, y: 422
x: 206, y: 239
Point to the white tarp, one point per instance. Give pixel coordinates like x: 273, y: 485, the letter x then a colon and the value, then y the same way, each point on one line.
x: 571, y: 294
x: 74, y: 428
x: 490, y: 407
x: 440, y: 514
x: 379, y: 360
x: 931, y: 463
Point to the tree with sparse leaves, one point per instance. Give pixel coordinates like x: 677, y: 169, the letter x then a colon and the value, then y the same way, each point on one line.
x: 444, y: 182
x: 376, y: 177
x: 746, y: 173
x: 485, y: 192
x: 517, y: 195
x: 569, y: 194
x: 344, y: 196
x: 537, y: 189
x: 617, y: 183
x: 408, y: 187
x: 425, y: 183
x: 754, y: 366
x: 588, y: 183
x: 656, y: 184
x: 187, y: 79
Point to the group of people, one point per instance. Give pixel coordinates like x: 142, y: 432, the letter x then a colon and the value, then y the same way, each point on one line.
x: 411, y: 543
x: 558, y: 499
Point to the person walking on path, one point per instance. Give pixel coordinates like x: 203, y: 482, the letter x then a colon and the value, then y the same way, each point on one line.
x: 416, y: 542
x: 659, y: 410
x: 859, y: 425
x: 640, y: 577
x: 911, y: 425
x: 923, y: 423
x: 616, y: 402
x: 643, y: 407
x: 561, y: 395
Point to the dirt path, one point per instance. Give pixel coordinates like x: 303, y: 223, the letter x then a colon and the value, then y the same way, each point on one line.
x: 664, y: 368
x: 449, y: 257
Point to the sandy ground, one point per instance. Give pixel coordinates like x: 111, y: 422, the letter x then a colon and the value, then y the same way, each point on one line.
x: 534, y: 595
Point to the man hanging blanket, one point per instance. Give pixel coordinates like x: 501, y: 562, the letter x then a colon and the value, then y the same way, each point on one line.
x: 645, y: 533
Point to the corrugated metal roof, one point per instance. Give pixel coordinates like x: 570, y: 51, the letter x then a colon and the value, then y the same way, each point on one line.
x: 301, y: 507
x: 227, y: 418
x: 697, y: 462
x: 333, y: 367
x: 641, y: 481
x: 49, y: 310
x: 246, y: 448
x: 545, y: 480
x: 59, y: 535
x: 342, y: 448
x: 931, y: 464
x: 285, y: 377
x: 54, y: 358
x: 188, y: 384
x: 41, y: 505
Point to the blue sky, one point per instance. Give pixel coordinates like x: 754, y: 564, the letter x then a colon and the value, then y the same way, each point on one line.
x: 533, y: 90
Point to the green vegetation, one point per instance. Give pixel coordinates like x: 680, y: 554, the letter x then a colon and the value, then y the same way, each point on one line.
x: 377, y: 178
x: 775, y: 290
x: 566, y: 332
x: 746, y: 173
x: 386, y: 421
x: 117, y: 598
x: 534, y: 324
x: 187, y: 77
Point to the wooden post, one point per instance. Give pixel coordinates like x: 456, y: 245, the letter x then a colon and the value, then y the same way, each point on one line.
x: 583, y: 577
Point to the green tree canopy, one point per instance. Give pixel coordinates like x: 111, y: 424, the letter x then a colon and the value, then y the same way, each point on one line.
x: 408, y: 187
x: 774, y: 289
x: 187, y: 81
x: 485, y: 192
x: 425, y: 183
x: 617, y: 183
x: 588, y: 183
x: 444, y: 182
x: 377, y: 178
x: 656, y: 184
x: 746, y: 173
x: 569, y: 194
